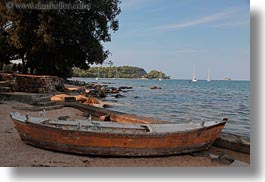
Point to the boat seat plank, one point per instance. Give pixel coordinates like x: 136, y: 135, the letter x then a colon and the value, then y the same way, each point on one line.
x: 100, y: 124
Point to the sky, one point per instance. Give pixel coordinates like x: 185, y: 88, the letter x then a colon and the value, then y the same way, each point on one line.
x: 171, y: 36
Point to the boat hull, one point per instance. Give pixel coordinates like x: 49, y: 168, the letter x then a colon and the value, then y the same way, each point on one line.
x: 117, y: 144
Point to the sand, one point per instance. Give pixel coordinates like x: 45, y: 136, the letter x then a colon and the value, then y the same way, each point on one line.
x: 15, y: 153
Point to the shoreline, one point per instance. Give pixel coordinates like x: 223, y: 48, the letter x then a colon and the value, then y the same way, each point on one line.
x: 148, y: 101
x: 184, y: 79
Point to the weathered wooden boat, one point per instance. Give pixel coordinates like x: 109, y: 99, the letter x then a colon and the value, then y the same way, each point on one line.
x: 116, y: 139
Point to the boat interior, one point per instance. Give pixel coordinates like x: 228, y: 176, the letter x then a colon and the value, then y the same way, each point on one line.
x: 90, y: 125
x: 85, y: 125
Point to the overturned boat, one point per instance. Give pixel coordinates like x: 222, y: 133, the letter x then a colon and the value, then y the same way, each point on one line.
x: 116, y: 139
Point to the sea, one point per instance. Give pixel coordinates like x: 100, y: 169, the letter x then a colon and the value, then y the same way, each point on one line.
x: 184, y: 101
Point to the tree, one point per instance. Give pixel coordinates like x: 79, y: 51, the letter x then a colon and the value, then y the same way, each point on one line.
x: 6, y: 51
x: 110, y: 63
x: 156, y: 75
x: 123, y: 72
x: 53, y: 41
x: 110, y: 73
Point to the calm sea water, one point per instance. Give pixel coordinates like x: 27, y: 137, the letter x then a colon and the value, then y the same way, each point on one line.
x: 183, y: 101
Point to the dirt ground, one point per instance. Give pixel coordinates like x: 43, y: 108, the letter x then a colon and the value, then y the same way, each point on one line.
x: 15, y: 153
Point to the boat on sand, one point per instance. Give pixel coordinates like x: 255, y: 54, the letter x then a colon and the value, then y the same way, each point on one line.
x: 116, y: 139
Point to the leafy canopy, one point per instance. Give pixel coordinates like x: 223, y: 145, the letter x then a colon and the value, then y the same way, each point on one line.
x: 52, y: 41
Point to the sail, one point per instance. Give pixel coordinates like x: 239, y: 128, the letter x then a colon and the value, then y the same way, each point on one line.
x: 209, y: 77
x: 193, y: 75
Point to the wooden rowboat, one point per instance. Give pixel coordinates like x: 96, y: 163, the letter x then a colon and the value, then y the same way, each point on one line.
x: 116, y: 139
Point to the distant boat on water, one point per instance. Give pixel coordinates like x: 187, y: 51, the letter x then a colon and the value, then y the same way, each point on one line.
x: 160, y: 78
x: 209, y: 77
x: 194, y: 79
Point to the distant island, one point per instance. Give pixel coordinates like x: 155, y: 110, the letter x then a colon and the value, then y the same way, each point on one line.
x: 119, y: 72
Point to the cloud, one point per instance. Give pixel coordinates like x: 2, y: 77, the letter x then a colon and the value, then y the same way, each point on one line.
x: 202, y: 20
x: 232, y: 24
x: 189, y: 50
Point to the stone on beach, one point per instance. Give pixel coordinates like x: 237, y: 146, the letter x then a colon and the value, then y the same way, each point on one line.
x: 155, y: 87
x: 119, y: 96
x: 125, y: 87
x: 96, y: 93
x: 75, y: 90
x: 224, y: 159
x: 115, y: 91
x: 63, y: 98
x: 79, y: 98
x: 233, y: 142
x: 104, y: 118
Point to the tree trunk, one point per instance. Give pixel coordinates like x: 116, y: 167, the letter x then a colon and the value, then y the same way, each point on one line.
x: 24, y: 66
x: 1, y: 66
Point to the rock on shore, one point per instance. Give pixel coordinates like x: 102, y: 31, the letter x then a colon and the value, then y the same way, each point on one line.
x: 233, y: 142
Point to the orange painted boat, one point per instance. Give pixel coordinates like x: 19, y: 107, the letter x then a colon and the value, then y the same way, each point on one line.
x: 116, y: 139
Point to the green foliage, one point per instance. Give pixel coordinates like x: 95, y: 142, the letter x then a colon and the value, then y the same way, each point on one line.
x: 118, y: 72
x: 156, y: 75
x: 6, y: 51
x: 110, y: 72
x: 53, y: 41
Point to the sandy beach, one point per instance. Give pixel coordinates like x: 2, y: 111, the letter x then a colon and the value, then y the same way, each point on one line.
x: 15, y: 153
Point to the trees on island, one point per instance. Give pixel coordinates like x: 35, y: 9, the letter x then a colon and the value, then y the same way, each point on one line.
x: 119, y: 72
x: 156, y: 75
x: 53, y: 41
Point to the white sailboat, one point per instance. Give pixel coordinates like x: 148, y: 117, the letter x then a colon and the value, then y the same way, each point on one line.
x: 194, y: 79
x: 208, y: 78
x: 160, y: 78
